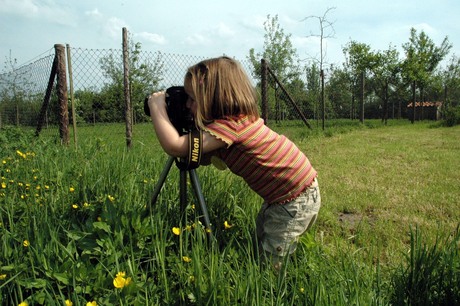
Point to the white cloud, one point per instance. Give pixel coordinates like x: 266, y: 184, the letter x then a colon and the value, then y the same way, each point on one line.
x: 197, y: 39
x: 224, y: 31
x: 152, y: 37
x: 94, y: 14
x: 50, y: 13
x: 24, y: 8
x: 113, y: 27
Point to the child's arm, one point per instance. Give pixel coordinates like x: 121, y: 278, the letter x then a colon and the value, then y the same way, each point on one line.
x: 170, y: 140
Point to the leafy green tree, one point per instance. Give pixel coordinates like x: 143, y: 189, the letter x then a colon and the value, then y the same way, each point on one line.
x: 283, y: 62
x: 386, y: 72
x: 422, y: 58
x: 339, y: 94
x: 359, y: 59
x: 278, y: 52
x: 145, y: 76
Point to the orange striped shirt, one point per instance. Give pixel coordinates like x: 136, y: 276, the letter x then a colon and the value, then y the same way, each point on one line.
x: 271, y: 164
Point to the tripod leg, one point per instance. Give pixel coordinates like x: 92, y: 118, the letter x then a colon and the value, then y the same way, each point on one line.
x: 160, y: 182
x: 196, y: 186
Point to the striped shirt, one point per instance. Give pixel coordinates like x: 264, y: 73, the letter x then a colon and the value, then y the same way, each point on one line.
x: 270, y: 163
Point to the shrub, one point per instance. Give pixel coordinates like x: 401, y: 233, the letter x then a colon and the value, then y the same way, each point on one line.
x: 452, y: 116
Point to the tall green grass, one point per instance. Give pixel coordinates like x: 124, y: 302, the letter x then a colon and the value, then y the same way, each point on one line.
x: 72, y: 218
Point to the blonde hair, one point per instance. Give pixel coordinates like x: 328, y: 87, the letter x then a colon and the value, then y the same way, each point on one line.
x: 221, y: 89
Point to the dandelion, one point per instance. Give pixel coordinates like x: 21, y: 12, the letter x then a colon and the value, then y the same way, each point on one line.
x: 47, y: 187
x: 68, y: 303
x: 2, y: 276
x: 4, y: 162
x: 186, y: 259
x: 227, y: 225
x: 74, y: 206
x: 111, y: 199
x: 26, y: 243
x: 3, y: 185
x: 93, y: 303
x: 71, y: 189
x: 302, y: 290
x: 176, y: 231
x: 38, y: 187
x: 24, y: 303
x: 145, y: 181
x: 86, y: 204
x: 120, y: 281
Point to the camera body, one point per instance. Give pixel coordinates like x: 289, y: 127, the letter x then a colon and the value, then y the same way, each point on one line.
x: 178, y: 113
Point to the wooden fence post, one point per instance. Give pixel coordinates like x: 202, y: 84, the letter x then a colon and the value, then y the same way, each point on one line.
x: 61, y: 90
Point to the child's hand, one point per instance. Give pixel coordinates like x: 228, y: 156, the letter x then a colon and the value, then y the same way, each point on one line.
x: 157, y: 101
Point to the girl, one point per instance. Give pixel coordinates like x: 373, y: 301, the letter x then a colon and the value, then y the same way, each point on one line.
x: 224, y: 104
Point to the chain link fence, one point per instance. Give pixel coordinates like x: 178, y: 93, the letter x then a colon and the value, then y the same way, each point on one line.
x: 22, y: 91
x: 96, y: 86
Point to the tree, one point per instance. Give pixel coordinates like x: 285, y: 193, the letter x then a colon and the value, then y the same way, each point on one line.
x: 358, y: 60
x: 422, y: 58
x: 278, y: 52
x: 385, y: 72
x: 144, y: 77
x: 282, y: 59
x: 325, y: 24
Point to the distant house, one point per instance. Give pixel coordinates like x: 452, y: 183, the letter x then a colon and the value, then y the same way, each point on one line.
x: 425, y: 110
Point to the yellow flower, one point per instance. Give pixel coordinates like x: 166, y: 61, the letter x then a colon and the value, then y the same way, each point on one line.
x: 23, y: 304
x: 68, y: 303
x: 26, y: 243
x: 227, y: 225
x: 111, y: 199
x: 120, y: 281
x: 3, y: 185
x: 74, y: 206
x: 71, y: 189
x: 176, y: 231
x: 47, y: 187
x: 2, y: 276
x: 302, y: 290
x: 93, y: 303
x: 4, y: 162
x: 186, y: 259
x: 21, y: 154
x: 86, y: 204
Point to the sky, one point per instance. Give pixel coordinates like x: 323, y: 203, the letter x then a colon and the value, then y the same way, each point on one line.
x: 208, y: 28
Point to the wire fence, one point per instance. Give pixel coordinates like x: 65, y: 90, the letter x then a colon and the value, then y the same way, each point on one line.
x: 98, y: 91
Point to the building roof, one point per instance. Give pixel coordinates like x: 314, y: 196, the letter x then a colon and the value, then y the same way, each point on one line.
x: 425, y: 104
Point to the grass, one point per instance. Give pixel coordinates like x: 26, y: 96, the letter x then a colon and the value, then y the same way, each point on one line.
x: 72, y: 219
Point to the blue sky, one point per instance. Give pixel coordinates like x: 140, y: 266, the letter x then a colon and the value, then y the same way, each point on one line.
x: 30, y: 28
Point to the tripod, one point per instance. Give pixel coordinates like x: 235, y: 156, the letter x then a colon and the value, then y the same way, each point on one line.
x: 183, y: 190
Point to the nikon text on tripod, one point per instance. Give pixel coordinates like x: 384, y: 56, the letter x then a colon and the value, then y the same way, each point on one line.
x: 182, y: 120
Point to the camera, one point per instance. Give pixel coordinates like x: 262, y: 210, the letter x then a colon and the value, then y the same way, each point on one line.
x: 178, y: 113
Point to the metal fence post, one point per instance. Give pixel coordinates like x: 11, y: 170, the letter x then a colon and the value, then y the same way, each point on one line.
x: 72, y: 100
x: 128, y: 116
x: 264, y: 103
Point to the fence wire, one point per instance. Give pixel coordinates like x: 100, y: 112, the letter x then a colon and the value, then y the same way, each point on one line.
x: 98, y: 89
